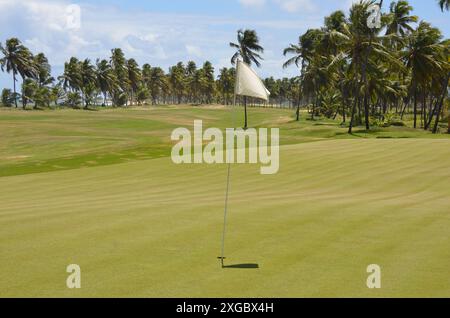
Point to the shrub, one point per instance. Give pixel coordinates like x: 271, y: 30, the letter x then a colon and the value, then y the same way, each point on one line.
x: 7, y: 97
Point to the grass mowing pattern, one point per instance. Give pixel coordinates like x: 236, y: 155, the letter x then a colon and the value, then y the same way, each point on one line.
x: 151, y: 228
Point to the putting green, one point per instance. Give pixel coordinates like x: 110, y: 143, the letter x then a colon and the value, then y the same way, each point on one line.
x: 153, y: 229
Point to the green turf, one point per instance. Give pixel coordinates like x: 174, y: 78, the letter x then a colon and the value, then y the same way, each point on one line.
x: 146, y: 227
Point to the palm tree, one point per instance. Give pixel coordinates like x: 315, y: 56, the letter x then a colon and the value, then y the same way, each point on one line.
x: 361, y: 46
x: 88, y: 81
x: 208, y: 81
x: 106, y: 79
x: 134, y: 76
x: 444, y: 4
x: 44, y: 70
x: 191, y: 74
x: 118, y: 64
x: 421, y: 57
x: 177, y: 75
x: 18, y: 60
x: 303, y: 53
x: 400, y: 18
x: 158, y: 83
x: 71, y: 78
x: 226, y: 83
x: 249, y: 50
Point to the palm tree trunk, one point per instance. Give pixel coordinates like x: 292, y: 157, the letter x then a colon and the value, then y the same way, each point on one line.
x: 15, y: 93
x: 415, y: 107
x: 366, y: 111
x: 352, y: 120
x: 245, y: 113
x: 441, y: 103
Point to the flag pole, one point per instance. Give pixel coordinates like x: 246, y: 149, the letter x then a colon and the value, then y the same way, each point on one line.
x: 227, y: 192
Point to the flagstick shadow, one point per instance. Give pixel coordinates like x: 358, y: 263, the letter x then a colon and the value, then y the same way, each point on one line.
x: 242, y: 266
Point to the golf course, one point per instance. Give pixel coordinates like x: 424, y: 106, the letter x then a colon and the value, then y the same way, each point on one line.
x: 99, y: 189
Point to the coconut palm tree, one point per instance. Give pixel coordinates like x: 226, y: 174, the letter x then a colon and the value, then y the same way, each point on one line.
x: 191, y: 76
x: 421, y: 57
x: 71, y: 78
x: 118, y: 63
x: 400, y: 19
x: 17, y: 59
x: 106, y: 79
x: 249, y: 50
x: 134, y: 77
x: 88, y: 81
x: 177, y: 76
x: 44, y: 70
x: 361, y: 46
x: 225, y: 84
x: 157, y: 84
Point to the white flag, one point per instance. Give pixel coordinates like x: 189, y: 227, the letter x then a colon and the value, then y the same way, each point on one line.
x: 248, y: 83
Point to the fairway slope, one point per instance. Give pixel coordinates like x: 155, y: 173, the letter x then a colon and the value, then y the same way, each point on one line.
x: 150, y: 228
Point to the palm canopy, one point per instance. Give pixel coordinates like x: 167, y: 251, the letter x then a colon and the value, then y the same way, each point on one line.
x: 420, y: 55
x: 248, y: 48
x: 304, y: 51
x: 400, y: 18
x: 444, y: 4
x: 17, y: 59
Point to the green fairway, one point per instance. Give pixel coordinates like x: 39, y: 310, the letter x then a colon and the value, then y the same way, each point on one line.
x: 99, y: 189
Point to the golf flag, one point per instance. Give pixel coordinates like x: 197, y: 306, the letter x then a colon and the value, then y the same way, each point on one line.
x: 248, y: 83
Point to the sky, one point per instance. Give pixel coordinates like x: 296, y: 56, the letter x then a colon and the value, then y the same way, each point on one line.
x: 164, y: 32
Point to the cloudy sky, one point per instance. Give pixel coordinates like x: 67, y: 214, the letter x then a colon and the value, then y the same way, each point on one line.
x: 163, y: 32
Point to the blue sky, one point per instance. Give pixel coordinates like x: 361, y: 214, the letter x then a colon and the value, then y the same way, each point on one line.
x: 163, y: 32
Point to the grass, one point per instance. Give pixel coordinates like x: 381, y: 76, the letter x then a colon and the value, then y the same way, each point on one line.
x: 97, y: 189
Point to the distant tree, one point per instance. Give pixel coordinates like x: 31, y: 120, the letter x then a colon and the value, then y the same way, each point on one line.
x: 192, y: 78
x: 17, y: 59
x: 71, y: 78
x: 208, y: 83
x: 118, y: 64
x: 88, y: 82
x: 7, y: 97
x: 249, y: 49
x: 177, y: 77
x: 106, y: 79
x: 29, y: 88
x: 400, y: 19
x: 73, y: 99
x: 134, y: 77
x: 422, y: 58
x: 142, y: 94
x: 158, y: 83
x: 44, y: 70
x: 225, y: 84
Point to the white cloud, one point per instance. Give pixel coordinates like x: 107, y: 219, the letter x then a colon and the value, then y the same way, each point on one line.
x: 147, y: 36
x: 292, y: 6
x: 253, y: 3
x: 194, y: 50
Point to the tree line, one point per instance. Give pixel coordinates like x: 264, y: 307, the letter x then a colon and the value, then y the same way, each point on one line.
x: 370, y: 76
x: 347, y: 70
x: 116, y: 81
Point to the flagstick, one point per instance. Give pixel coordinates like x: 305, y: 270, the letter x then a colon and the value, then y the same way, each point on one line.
x: 222, y: 257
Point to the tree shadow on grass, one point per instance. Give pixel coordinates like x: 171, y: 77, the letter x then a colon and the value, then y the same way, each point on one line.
x: 242, y: 266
